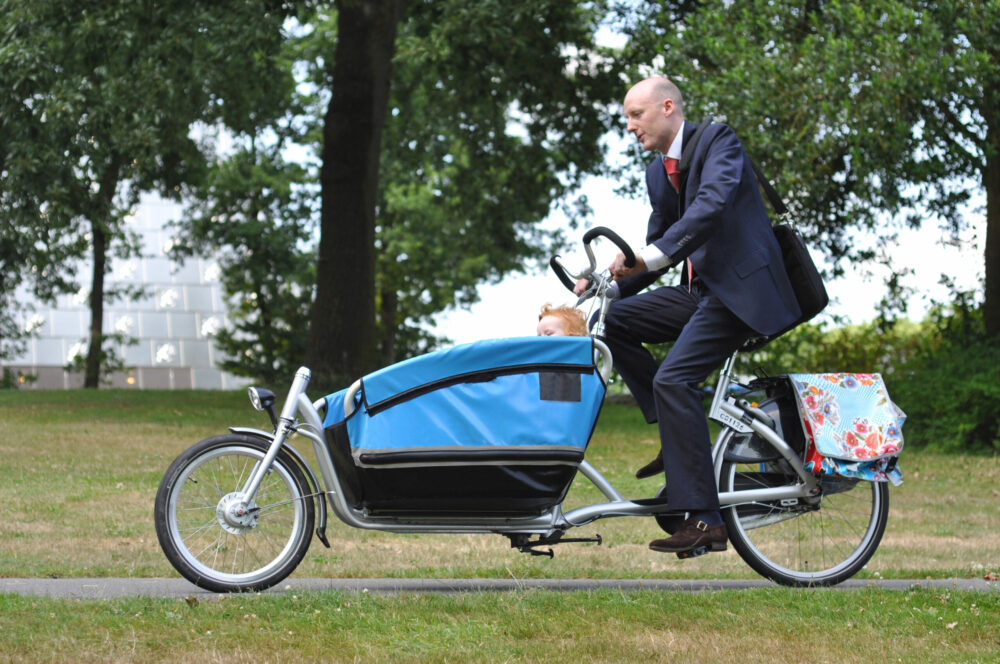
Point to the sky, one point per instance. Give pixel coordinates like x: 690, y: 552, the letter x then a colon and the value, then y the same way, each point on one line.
x: 510, y: 308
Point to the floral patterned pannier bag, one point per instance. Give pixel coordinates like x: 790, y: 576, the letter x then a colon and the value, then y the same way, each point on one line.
x: 852, y: 428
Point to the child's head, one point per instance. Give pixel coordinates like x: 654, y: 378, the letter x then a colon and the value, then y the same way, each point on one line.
x: 561, y: 321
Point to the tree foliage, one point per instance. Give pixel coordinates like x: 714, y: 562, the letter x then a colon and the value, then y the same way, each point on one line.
x: 497, y: 113
x: 870, y: 115
x: 104, y: 96
x: 254, y: 212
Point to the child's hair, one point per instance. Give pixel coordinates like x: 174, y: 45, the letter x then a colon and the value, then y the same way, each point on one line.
x: 573, y: 319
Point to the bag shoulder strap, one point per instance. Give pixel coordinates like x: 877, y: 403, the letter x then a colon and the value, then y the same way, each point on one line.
x: 772, y: 195
x: 690, y: 145
x: 685, y: 162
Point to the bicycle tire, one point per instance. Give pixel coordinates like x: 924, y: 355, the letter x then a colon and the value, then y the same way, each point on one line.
x: 209, y: 547
x: 814, y: 542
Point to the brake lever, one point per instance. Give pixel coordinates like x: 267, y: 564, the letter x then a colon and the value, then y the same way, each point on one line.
x: 594, y: 288
x: 590, y: 292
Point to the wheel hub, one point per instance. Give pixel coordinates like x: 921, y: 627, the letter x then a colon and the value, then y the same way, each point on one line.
x: 233, y: 516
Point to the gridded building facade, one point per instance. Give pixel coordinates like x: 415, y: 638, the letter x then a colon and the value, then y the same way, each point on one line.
x: 172, y: 326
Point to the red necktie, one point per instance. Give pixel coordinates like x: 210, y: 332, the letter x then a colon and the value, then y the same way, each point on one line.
x: 674, y: 175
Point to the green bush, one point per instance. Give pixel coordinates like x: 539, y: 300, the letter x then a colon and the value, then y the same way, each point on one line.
x: 950, y: 390
x: 943, y: 372
x: 811, y: 348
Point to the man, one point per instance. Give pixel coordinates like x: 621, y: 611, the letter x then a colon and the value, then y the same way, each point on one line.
x: 711, y: 220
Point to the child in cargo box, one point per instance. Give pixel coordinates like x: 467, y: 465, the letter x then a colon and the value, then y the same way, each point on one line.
x: 561, y: 321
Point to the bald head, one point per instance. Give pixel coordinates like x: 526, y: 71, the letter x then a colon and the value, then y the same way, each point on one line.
x: 654, y: 110
x: 658, y: 89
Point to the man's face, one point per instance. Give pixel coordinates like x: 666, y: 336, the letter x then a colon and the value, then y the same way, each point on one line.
x: 650, y: 119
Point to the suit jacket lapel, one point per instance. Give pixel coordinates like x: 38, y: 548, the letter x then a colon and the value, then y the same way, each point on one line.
x: 660, y: 188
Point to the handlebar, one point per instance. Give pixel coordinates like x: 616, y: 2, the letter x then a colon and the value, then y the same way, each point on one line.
x: 566, y: 277
x: 614, y: 237
x: 561, y: 272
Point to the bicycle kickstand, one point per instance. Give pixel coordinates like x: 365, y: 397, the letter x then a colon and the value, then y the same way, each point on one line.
x: 524, y: 544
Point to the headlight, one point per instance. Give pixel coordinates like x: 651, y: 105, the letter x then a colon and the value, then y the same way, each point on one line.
x: 255, y: 398
x: 260, y: 398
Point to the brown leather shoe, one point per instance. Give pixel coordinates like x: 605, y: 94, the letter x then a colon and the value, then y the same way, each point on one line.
x: 654, y: 467
x: 693, y: 534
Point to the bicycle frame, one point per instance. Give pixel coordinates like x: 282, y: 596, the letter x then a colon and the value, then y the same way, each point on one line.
x: 736, y: 419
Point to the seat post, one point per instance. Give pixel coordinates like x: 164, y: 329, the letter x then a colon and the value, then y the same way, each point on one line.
x: 722, y: 386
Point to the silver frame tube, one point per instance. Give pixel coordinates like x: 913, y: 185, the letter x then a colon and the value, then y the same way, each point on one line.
x: 544, y: 524
x: 603, y: 353
x: 285, y: 422
x: 549, y: 522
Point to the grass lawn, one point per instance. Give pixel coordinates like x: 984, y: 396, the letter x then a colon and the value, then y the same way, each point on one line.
x: 80, y: 470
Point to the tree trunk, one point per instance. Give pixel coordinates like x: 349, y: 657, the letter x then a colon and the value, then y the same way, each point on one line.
x: 991, y: 182
x: 342, y: 340
x: 92, y: 375
x: 387, y: 314
x: 106, y: 195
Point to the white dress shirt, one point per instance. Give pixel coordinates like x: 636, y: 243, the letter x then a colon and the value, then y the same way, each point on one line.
x: 650, y: 254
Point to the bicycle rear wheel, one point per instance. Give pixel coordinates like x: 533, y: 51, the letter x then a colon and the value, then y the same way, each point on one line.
x: 802, y: 542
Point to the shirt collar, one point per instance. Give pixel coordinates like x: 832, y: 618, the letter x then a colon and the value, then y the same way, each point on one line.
x: 677, y: 146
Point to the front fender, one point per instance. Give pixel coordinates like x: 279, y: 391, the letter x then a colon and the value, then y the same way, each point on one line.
x: 260, y: 433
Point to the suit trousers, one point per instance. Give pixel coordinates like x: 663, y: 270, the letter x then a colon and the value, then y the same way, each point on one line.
x: 704, y: 333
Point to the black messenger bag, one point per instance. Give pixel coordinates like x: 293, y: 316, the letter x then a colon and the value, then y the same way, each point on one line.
x: 806, y: 280
x: 802, y: 272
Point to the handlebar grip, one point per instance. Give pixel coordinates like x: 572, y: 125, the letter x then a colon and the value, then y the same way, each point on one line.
x: 561, y: 273
x: 614, y: 237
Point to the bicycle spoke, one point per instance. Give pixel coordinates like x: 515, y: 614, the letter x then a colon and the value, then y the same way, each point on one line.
x: 822, y: 540
x: 234, y: 552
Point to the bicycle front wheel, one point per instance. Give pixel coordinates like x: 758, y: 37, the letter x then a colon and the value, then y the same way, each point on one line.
x: 217, y: 546
x: 803, y: 542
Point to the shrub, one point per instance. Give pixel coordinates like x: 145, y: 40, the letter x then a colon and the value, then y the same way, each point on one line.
x: 950, y: 390
x: 866, y: 348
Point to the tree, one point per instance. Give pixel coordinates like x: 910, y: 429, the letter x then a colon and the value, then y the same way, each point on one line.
x: 342, y: 324
x: 860, y: 113
x: 34, y: 240
x: 255, y: 213
x: 496, y: 112
x: 465, y: 172
x: 105, y: 95
x: 497, y: 115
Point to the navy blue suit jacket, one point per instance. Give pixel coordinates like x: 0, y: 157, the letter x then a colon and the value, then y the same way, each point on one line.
x: 719, y: 221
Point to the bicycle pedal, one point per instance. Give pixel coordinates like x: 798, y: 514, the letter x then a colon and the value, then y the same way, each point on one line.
x: 693, y: 553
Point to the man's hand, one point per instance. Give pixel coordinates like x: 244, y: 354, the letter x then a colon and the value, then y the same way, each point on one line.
x: 581, y: 286
x: 619, y: 271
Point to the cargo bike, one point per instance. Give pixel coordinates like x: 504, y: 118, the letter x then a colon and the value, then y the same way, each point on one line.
x: 487, y: 438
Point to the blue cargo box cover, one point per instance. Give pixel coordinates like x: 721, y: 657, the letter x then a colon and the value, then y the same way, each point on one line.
x: 533, y: 397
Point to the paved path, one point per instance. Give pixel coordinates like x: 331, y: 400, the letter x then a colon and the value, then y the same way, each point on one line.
x: 176, y: 587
